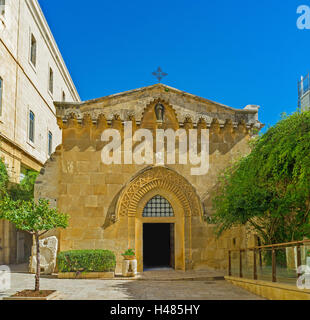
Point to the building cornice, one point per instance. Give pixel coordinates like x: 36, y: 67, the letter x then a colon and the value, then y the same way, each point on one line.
x: 21, y: 149
x: 250, y: 109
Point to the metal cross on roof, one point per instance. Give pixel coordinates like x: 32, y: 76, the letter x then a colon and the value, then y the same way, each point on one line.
x: 159, y: 74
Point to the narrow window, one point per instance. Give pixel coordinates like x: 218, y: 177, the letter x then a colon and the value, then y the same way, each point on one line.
x: 63, y: 96
x: 1, y: 90
x: 2, y: 7
x: 50, y: 143
x: 51, y: 80
x: 33, y: 50
x: 31, y: 126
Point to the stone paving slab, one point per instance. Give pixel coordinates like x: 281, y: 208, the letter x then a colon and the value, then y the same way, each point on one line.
x: 82, y: 289
x: 173, y: 275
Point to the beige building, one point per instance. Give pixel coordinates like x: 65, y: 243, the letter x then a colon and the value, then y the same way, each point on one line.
x: 32, y: 76
x: 160, y: 211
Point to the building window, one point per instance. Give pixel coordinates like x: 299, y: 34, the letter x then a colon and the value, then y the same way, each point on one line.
x: 50, y: 143
x: 158, y: 207
x: 1, y: 90
x: 63, y: 96
x: 31, y: 126
x: 51, y: 81
x: 33, y: 50
x: 2, y: 7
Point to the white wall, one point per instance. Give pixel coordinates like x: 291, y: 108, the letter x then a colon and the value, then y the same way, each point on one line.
x: 25, y: 87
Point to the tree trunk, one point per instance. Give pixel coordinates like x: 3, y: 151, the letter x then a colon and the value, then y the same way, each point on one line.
x: 37, y: 278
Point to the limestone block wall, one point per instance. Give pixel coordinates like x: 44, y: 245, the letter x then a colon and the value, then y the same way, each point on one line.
x: 47, y: 184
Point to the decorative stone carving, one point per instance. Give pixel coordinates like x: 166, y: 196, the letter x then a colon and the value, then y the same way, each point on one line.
x: 156, y: 104
x: 48, y: 254
x: 159, y: 111
x: 162, y: 178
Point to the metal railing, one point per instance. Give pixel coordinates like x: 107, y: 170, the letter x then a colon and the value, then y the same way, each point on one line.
x: 276, y: 262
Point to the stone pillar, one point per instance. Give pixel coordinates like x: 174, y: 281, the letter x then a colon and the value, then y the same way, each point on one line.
x: 131, y: 232
x: 188, y: 243
x: 129, y: 268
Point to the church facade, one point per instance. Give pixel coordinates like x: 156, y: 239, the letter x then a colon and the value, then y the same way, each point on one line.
x: 159, y: 210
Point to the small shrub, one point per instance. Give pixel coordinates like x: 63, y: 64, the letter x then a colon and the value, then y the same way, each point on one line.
x: 86, y: 261
x: 128, y: 252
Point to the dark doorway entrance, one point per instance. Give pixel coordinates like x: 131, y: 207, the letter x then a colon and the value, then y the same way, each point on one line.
x: 158, y: 245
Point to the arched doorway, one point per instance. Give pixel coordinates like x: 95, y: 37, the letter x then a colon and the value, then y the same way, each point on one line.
x: 158, y: 238
x: 165, y: 185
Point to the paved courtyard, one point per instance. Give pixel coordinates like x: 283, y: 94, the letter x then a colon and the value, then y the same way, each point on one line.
x: 133, y: 289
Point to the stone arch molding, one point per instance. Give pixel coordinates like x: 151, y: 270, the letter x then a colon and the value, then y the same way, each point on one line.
x: 160, y: 178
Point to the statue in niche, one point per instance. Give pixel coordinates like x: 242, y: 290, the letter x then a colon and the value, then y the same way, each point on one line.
x: 159, y: 111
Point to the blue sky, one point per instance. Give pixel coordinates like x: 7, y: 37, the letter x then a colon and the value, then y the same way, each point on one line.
x: 233, y: 52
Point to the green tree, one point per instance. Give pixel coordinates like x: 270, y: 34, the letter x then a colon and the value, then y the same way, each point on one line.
x: 36, y: 218
x: 25, y: 189
x: 4, y: 178
x: 269, y: 189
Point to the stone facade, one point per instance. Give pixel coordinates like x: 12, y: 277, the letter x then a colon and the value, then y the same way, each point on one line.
x: 105, y: 202
x: 25, y: 88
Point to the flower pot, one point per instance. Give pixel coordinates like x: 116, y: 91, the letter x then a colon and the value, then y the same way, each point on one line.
x: 129, y: 268
x: 129, y: 257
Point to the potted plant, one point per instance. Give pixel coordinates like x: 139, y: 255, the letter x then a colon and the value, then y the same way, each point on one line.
x: 129, y: 254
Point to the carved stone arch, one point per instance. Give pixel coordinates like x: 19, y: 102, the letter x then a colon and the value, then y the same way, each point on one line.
x: 161, y: 178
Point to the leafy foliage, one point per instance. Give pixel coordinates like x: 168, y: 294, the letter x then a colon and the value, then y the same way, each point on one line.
x: 129, y: 252
x: 270, y: 188
x: 24, y: 190
x: 4, y: 178
x: 86, y: 261
x: 31, y: 216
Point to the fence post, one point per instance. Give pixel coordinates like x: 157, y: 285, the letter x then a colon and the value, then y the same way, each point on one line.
x: 274, y: 268
x: 260, y: 258
x: 229, y: 263
x: 240, y: 264
x: 298, y: 259
x: 254, y: 265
